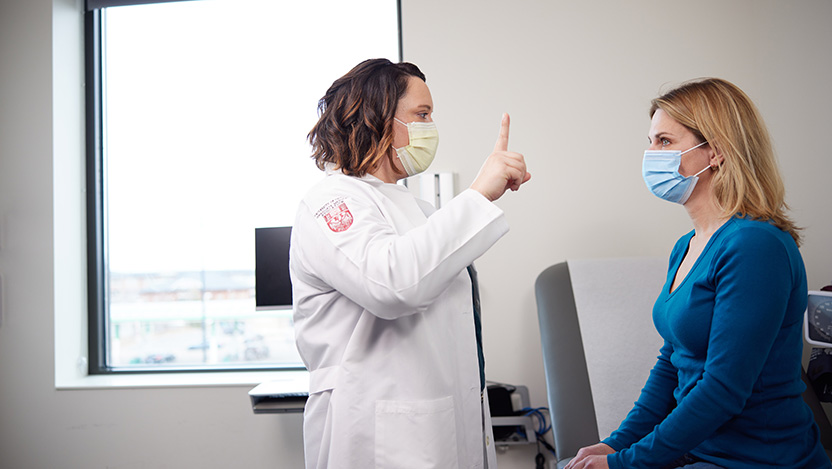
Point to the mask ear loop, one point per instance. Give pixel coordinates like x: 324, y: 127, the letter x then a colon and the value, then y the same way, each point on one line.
x: 694, y: 148
x: 700, y: 172
x: 408, y: 135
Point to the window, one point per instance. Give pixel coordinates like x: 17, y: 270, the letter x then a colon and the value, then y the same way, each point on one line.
x: 198, y: 113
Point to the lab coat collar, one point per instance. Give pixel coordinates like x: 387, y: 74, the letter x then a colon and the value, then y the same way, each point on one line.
x: 369, y: 178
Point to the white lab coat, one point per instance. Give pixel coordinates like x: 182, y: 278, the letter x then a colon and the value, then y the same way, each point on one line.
x: 384, y: 322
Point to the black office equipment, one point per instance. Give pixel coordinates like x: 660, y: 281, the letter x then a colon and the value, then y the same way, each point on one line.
x: 271, y: 254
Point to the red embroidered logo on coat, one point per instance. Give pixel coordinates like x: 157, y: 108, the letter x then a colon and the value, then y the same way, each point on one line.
x: 339, y: 218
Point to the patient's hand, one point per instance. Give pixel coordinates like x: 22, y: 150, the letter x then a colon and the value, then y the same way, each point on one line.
x: 591, y: 457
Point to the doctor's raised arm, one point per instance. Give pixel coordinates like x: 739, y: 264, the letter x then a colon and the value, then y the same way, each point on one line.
x: 385, y: 309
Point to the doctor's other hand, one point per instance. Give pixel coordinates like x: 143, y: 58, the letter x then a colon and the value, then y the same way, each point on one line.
x: 502, y: 170
x: 591, y: 457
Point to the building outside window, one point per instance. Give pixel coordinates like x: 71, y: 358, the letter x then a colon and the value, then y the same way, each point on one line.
x: 199, y: 112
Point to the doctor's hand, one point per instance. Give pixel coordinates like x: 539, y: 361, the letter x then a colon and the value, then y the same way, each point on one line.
x: 591, y: 457
x: 502, y: 170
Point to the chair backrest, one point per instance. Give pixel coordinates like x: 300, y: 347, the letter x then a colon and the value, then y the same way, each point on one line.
x: 821, y: 419
x: 570, y: 397
x: 598, y: 343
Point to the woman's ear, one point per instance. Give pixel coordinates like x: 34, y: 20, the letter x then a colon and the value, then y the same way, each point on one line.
x: 716, y: 158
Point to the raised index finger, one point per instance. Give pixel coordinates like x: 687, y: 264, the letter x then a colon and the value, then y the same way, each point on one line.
x: 502, y: 140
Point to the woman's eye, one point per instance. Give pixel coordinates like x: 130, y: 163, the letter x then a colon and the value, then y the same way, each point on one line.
x: 665, y: 142
x: 423, y: 115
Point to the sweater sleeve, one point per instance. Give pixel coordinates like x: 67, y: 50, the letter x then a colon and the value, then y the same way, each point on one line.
x: 752, y: 278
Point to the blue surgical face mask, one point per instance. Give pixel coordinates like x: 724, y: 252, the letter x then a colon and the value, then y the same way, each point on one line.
x: 661, y: 174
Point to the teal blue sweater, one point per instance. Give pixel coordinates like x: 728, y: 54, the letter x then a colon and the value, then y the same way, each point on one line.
x: 726, y: 386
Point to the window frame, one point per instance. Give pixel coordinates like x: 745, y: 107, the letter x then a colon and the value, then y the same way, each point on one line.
x: 98, y: 316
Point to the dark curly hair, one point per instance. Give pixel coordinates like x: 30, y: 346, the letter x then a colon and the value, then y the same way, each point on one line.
x: 355, y: 124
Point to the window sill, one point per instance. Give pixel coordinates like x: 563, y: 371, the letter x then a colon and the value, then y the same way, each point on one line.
x: 193, y: 379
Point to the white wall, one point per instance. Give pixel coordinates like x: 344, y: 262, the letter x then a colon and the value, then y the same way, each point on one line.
x: 575, y: 76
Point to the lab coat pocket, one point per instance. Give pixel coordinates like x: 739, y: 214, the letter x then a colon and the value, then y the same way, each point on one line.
x: 416, y: 434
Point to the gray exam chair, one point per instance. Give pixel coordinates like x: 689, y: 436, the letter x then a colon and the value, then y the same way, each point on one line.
x: 598, y: 343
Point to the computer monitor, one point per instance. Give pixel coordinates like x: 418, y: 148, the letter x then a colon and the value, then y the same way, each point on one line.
x: 273, y: 287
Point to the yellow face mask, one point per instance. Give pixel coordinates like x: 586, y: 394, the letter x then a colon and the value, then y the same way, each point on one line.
x: 418, y: 154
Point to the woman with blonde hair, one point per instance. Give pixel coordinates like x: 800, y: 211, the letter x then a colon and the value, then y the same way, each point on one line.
x: 726, y: 389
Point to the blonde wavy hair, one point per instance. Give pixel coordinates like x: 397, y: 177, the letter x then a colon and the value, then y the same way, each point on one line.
x: 748, y: 181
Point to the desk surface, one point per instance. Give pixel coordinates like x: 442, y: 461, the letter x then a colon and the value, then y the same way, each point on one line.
x: 287, y: 394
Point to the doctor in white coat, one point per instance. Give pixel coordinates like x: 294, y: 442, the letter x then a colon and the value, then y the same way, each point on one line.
x: 383, y: 308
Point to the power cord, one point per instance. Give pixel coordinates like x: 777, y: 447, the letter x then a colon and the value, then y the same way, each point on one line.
x: 542, y: 429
